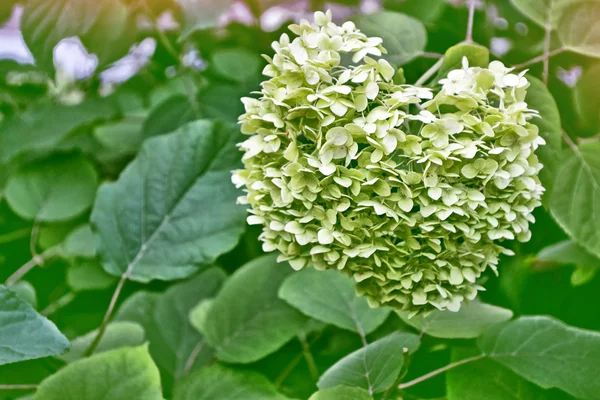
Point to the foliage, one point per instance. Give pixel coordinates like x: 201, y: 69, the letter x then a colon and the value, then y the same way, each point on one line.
x: 398, y: 146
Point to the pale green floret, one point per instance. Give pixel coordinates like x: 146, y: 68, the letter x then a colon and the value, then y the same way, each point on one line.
x: 406, y: 192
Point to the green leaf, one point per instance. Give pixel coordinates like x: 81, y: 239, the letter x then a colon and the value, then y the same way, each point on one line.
x: 582, y: 275
x: 404, y: 37
x: 330, y: 297
x: 247, y: 320
x: 6, y: 9
x: 470, y: 321
x: 486, y: 379
x: 174, y: 208
x: 222, y: 101
x: 341, y: 393
x: 477, y: 55
x: 106, y: 28
x: 80, y: 243
x: 53, y: 190
x: 237, y: 64
x: 167, y: 116
x: 199, y: 314
x: 578, y: 29
x: 202, y: 14
x: 538, y: 10
x: 374, y: 367
x: 127, y: 373
x: 25, y: 291
x: 164, y: 317
x: 547, y: 352
x: 43, y: 126
x: 574, y: 197
x: 428, y: 11
x: 25, y: 334
x: 567, y: 252
x: 587, y: 99
x: 88, y: 275
x: 118, y: 334
x: 223, y: 383
x: 549, y: 124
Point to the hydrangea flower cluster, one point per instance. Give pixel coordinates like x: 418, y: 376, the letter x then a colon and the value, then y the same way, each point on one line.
x: 407, y: 192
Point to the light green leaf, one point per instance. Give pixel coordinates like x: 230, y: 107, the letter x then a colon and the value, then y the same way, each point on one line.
x: 404, y: 37
x: 539, y: 10
x: 202, y: 14
x: 574, y: 197
x: 547, y: 352
x: 118, y: 334
x: 127, y: 373
x: 53, y: 190
x: 330, y: 297
x: 549, y: 124
x: 164, y: 317
x: 80, y: 243
x: 88, y: 275
x: 578, y: 29
x: 486, y: 379
x: 587, y: 99
x: 237, y: 64
x: 477, y: 55
x: 582, y: 275
x: 470, y: 321
x: 341, y: 393
x: 174, y: 208
x: 25, y: 291
x: 223, y: 383
x: 567, y: 252
x: 199, y: 313
x: 247, y: 320
x: 41, y: 128
x: 106, y: 28
x: 25, y: 334
x: 374, y: 367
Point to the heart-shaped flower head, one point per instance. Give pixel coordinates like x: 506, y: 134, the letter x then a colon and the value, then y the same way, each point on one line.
x: 406, y: 192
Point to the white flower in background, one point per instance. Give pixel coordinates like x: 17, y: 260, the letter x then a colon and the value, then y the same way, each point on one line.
x: 72, y: 61
x: 500, y: 46
x: 12, y: 45
x: 128, y: 66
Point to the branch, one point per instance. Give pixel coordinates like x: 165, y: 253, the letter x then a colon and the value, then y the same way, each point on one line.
x: 440, y: 371
x: 469, y: 37
x: 18, y: 387
x: 38, y: 259
x: 113, y: 301
x: 430, y: 72
x: 193, y: 357
x: 310, y: 361
x: 537, y: 59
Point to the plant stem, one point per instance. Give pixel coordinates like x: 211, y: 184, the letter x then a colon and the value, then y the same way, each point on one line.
x: 430, y: 72
x: 428, y: 54
x: 469, y: 37
x: 310, y: 361
x: 18, y: 387
x: 38, y: 259
x: 570, y: 142
x: 58, y: 304
x: 109, y: 311
x: 537, y: 59
x: 440, y: 371
x: 547, y: 38
x: 9, y: 237
x: 193, y: 357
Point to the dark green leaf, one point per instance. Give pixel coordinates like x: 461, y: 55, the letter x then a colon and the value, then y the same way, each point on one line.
x: 168, y: 116
x: 25, y: 334
x: 80, y: 243
x: 218, y: 382
x: 330, y: 297
x: 88, y: 275
x: 25, y: 291
x: 428, y: 11
x: 470, y: 321
x: 374, y: 367
x: 404, y: 37
x: 174, y: 208
x: 237, y: 64
x: 547, y: 352
x: 126, y: 373
x: 247, y: 321
x: 53, y: 190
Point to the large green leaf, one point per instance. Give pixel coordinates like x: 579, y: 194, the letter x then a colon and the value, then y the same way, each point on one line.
x: 239, y: 65
x: 126, y: 373
x: 486, y: 379
x: 470, y: 321
x: 579, y: 30
x: 374, y: 367
x: 25, y: 334
x: 547, y: 352
x: 539, y: 98
x: 567, y: 252
x: 106, y: 27
x: 477, y: 56
x: 202, y: 14
x: 174, y: 208
x: 587, y: 99
x: 574, y: 199
x: 247, y: 321
x: 172, y: 113
x: 404, y: 37
x: 330, y: 297
x: 43, y: 126
x: 219, y: 382
x: 341, y: 393
x: 164, y: 317
x: 53, y: 190
x: 118, y: 334
x: 539, y: 10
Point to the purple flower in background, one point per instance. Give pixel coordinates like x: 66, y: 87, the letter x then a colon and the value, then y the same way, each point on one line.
x: 125, y: 68
x: 13, y: 46
x: 569, y: 76
x: 72, y: 61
